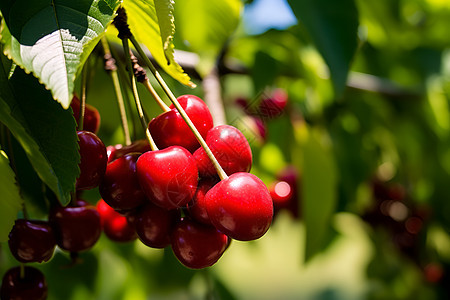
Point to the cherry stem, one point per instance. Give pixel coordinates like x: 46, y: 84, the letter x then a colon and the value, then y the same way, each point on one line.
x: 22, y: 271
x: 180, y: 109
x: 83, y: 96
x: 111, y: 67
x: 155, y: 96
x: 140, y: 110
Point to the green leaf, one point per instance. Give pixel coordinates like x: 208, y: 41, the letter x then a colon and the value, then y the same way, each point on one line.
x: 319, y: 188
x: 332, y: 26
x: 151, y: 22
x: 43, y: 128
x: 10, y: 201
x: 207, y: 26
x: 53, y: 38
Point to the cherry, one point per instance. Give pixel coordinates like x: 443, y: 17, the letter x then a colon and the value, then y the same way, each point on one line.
x: 153, y: 225
x: 77, y: 227
x: 93, y: 160
x: 168, y: 177
x: 281, y: 193
x: 32, y: 241
x: 91, y: 121
x: 273, y: 106
x: 139, y: 146
x: 120, y: 186
x: 119, y: 229
x: 197, y: 206
x: 32, y: 286
x: 105, y: 211
x: 169, y: 128
x: 240, y: 206
x: 197, y: 245
x: 231, y: 149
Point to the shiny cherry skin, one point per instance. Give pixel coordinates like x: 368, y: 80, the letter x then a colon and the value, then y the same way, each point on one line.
x: 77, y: 228
x: 32, y: 241
x: 93, y: 160
x: 231, y: 149
x: 105, y: 211
x: 197, y: 245
x: 240, y: 206
x: 197, y: 206
x: 32, y: 286
x: 120, y: 186
x: 116, y: 151
x: 169, y: 128
x: 119, y: 229
x: 154, y: 224
x: 91, y: 121
x: 168, y: 177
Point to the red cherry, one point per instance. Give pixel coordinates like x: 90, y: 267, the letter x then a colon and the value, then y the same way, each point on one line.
x: 32, y: 241
x: 77, y: 228
x: 281, y: 193
x: 169, y: 128
x: 139, y: 146
x: 92, y: 118
x: 197, y: 245
x: 168, y: 177
x: 231, y: 149
x: 105, y: 211
x: 119, y: 229
x: 240, y: 206
x: 120, y: 186
x: 273, y: 106
x: 93, y: 160
x: 32, y: 286
x: 154, y: 224
x: 197, y: 206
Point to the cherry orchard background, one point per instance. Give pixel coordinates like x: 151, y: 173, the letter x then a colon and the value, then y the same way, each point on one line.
x: 365, y: 129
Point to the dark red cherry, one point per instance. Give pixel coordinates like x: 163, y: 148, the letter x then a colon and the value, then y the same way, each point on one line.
x: 120, y: 186
x: 273, y: 106
x: 231, y: 149
x: 197, y: 206
x: 153, y: 225
x: 197, y: 245
x: 116, y: 151
x: 93, y: 160
x: 169, y: 128
x: 240, y: 206
x: 32, y: 241
x: 32, y: 286
x: 91, y: 121
x: 168, y: 177
x: 77, y: 228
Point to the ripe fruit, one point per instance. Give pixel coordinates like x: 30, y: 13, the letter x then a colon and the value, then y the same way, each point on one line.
x: 169, y: 128
x: 240, y: 206
x: 154, y: 224
x: 168, y: 177
x: 32, y: 286
x: 231, y: 149
x: 93, y: 160
x: 105, y: 211
x: 139, y: 146
x: 91, y: 121
x: 32, y: 241
x: 197, y: 206
x: 77, y: 228
x: 281, y: 193
x: 120, y: 186
x: 197, y: 245
x: 273, y: 106
x: 115, y: 226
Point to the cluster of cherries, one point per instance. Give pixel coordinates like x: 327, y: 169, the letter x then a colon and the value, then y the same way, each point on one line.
x: 169, y: 197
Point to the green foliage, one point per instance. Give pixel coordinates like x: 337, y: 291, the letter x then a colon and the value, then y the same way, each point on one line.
x: 332, y: 25
x: 45, y: 131
x: 10, y: 201
x: 53, y: 39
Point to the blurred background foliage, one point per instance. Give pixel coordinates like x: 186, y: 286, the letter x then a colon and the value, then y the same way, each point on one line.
x: 364, y: 135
